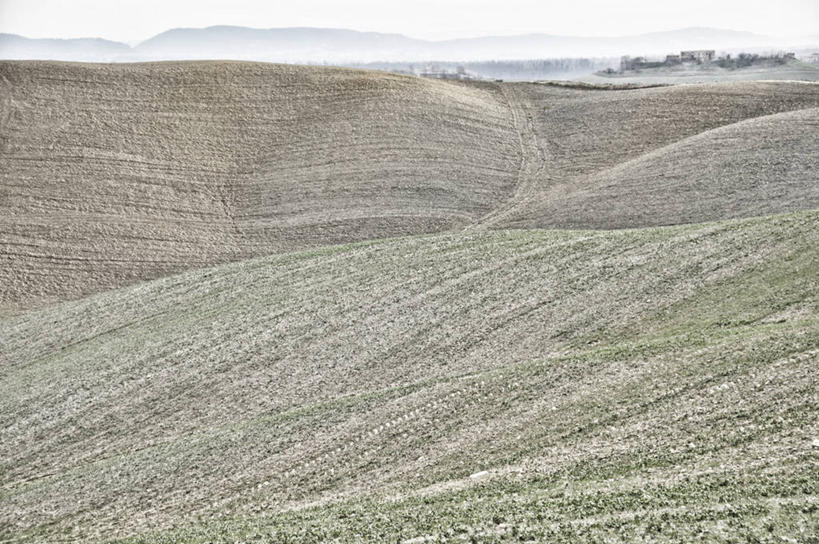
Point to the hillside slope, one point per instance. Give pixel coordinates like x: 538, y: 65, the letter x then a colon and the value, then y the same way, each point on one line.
x: 115, y: 173
x: 572, y: 136
x: 112, y: 174
x: 619, y: 385
x: 756, y: 167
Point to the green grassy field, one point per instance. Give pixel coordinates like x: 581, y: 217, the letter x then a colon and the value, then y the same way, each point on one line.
x: 655, y: 384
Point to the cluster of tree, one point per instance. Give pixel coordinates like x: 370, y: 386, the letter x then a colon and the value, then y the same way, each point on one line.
x: 743, y: 60
x: 501, y: 69
x: 536, y: 69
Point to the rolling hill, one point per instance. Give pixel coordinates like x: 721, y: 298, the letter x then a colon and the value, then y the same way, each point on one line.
x: 112, y: 174
x: 243, y: 302
x: 650, y: 383
x: 116, y: 173
x: 592, y: 155
x: 754, y: 167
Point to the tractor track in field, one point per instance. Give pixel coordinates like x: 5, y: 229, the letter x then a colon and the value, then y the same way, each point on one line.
x: 533, y: 159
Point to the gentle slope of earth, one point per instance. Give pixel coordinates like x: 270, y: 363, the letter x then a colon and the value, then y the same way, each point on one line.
x: 245, y: 302
x: 112, y: 174
x: 755, y: 167
x: 583, y: 144
x: 657, y: 383
x: 115, y: 173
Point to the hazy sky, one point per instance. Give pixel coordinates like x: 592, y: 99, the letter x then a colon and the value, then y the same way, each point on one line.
x: 136, y: 20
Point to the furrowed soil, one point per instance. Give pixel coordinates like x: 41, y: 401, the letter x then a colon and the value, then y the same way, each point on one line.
x: 665, y: 155
x: 637, y: 383
x: 244, y: 302
x: 115, y: 173
x: 112, y: 174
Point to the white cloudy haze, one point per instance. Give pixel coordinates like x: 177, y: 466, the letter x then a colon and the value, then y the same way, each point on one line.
x: 135, y: 20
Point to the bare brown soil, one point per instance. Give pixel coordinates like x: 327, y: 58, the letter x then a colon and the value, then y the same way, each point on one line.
x: 112, y: 174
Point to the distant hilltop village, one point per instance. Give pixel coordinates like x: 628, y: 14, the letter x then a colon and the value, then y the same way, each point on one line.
x: 703, y: 56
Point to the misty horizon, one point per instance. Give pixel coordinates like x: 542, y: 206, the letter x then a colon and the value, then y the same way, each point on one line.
x: 775, y: 39
x: 134, y: 43
x: 309, y: 45
x: 132, y: 22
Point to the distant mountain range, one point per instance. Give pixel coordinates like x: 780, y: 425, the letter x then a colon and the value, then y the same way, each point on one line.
x: 84, y: 49
x: 322, y: 45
